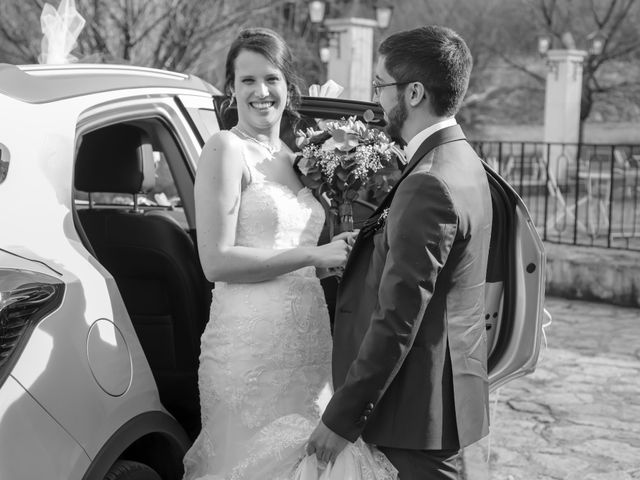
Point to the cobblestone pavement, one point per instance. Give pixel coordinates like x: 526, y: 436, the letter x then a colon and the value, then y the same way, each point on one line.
x: 577, y: 417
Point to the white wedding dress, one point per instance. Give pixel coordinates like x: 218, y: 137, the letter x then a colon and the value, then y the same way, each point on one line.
x: 265, y: 368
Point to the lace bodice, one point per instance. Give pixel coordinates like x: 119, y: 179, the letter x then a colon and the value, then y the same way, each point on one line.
x: 271, y: 215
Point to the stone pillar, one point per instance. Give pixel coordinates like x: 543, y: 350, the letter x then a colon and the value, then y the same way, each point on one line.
x: 351, y: 61
x: 562, y: 108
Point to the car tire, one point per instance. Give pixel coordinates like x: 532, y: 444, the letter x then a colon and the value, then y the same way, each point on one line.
x: 129, y: 470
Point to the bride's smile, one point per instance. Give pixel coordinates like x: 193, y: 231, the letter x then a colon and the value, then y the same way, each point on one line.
x: 262, y: 105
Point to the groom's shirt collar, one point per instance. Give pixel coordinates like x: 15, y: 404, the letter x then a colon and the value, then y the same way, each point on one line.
x: 415, y: 142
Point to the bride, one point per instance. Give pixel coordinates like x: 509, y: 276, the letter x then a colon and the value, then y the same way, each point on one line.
x: 265, y: 372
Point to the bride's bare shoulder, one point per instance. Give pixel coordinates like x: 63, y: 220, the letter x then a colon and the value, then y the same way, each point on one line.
x: 221, y: 145
x: 224, y: 139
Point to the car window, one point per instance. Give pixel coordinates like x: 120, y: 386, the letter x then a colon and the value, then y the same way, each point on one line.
x: 206, y: 121
x: 201, y: 113
x: 163, y: 195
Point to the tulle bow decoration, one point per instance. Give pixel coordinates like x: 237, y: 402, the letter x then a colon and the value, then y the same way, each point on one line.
x: 328, y: 89
x: 60, y: 29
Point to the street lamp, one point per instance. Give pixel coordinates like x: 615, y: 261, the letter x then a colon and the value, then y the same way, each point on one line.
x: 597, y: 41
x: 383, y: 14
x: 317, y: 11
x: 325, y: 52
x: 544, y: 43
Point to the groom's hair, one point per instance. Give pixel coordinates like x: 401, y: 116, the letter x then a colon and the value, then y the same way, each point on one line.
x: 435, y: 56
x: 272, y: 46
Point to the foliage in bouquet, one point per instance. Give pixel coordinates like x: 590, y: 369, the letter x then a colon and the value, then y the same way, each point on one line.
x: 341, y: 157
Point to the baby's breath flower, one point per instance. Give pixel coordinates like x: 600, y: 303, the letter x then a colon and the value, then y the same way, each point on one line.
x: 346, y: 153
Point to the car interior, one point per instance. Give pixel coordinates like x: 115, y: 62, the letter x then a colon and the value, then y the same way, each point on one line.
x: 150, y: 250
x: 151, y: 256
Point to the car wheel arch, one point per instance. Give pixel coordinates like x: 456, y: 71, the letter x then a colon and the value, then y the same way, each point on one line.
x: 153, y: 438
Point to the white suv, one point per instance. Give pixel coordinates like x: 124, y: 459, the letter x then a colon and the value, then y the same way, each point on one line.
x: 102, y: 298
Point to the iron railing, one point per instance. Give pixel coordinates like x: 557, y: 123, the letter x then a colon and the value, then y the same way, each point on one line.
x: 579, y: 194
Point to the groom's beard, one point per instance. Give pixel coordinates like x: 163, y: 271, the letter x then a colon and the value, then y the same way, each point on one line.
x: 397, y: 116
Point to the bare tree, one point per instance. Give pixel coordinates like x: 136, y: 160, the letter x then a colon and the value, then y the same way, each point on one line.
x: 483, y: 27
x: 178, y: 35
x: 508, y: 78
x: 614, y: 22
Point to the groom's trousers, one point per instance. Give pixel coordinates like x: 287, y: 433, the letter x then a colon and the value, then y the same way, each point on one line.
x: 424, y: 464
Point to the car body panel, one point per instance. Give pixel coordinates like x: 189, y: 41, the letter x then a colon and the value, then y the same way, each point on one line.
x: 32, y: 444
x: 58, y: 346
x: 40, y: 234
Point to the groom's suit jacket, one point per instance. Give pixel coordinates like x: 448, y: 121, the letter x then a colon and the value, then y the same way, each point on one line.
x: 410, y: 349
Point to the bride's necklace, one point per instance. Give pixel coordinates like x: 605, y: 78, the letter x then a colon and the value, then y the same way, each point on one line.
x: 272, y: 149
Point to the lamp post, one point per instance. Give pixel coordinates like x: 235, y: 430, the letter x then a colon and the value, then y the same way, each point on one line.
x: 346, y: 46
x: 384, y: 11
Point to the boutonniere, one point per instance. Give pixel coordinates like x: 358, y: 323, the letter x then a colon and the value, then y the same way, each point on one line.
x: 373, y: 224
x: 382, y: 219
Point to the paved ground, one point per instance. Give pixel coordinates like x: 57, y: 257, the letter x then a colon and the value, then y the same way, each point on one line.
x: 577, y: 417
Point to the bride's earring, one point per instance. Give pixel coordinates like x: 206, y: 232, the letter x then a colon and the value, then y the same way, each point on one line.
x: 232, y: 99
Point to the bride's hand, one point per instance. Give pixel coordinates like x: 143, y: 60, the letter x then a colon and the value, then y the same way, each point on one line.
x: 332, y: 254
x: 349, y: 237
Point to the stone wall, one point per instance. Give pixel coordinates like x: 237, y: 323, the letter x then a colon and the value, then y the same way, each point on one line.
x: 590, y: 273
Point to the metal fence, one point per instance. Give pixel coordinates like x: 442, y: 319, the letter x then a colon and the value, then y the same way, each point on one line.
x: 578, y: 194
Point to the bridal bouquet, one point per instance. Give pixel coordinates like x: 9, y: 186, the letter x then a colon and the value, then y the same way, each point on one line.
x: 338, y: 159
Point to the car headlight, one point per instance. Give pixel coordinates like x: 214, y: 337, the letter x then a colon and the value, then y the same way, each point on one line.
x: 25, y: 299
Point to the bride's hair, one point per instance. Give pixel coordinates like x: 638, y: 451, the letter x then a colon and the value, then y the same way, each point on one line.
x: 270, y: 45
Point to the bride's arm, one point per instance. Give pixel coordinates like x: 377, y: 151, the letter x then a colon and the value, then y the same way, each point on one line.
x: 217, y: 191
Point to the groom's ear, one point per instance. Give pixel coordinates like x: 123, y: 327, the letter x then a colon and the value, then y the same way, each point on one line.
x: 416, y: 93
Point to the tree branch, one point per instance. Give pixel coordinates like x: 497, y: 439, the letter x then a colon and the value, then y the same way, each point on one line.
x: 514, y: 64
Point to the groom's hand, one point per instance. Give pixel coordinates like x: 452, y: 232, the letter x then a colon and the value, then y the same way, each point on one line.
x: 325, y: 444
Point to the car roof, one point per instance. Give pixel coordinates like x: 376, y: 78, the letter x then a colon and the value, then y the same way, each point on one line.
x: 49, y: 83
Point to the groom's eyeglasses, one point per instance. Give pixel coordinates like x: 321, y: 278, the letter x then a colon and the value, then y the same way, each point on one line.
x: 379, y: 86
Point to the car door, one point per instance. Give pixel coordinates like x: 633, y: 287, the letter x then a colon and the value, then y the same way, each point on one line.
x: 514, y: 297
x: 145, y: 239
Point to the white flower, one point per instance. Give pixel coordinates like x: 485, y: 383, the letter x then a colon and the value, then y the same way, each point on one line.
x: 304, y: 165
x: 329, y: 145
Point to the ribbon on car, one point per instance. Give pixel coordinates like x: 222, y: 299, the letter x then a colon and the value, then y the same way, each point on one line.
x: 60, y: 30
x: 328, y: 89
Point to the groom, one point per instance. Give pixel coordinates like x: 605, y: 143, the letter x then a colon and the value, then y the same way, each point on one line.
x: 410, y: 349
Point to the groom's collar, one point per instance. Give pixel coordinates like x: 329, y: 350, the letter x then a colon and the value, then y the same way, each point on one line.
x: 442, y: 136
x: 417, y: 140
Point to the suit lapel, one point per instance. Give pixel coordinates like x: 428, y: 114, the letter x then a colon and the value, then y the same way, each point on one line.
x: 445, y: 135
